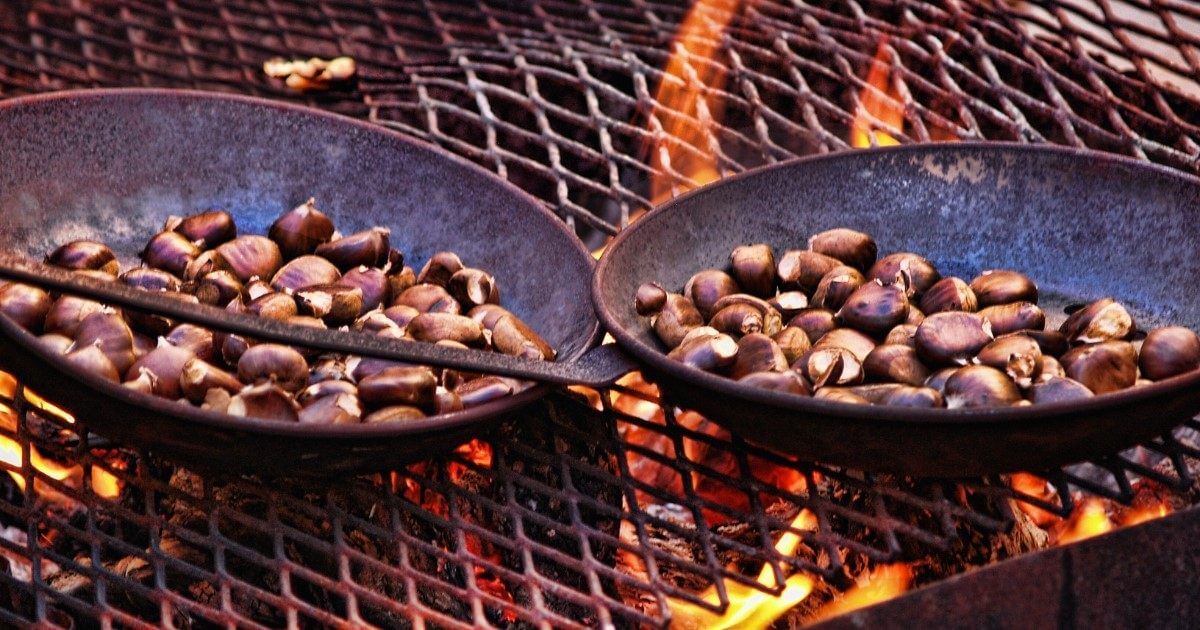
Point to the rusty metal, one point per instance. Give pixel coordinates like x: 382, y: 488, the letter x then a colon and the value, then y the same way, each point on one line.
x: 558, y: 97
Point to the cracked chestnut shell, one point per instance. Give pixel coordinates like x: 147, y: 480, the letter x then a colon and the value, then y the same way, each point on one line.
x: 208, y: 229
x: 980, y: 386
x: 1001, y: 286
x: 771, y: 320
x: 706, y: 352
x: 836, y: 287
x: 802, y: 270
x: 857, y: 343
x: 1018, y: 356
x: 738, y: 320
x: 1103, y: 367
x: 949, y: 294
x: 440, y: 268
x: 829, y: 367
x: 473, y: 287
x: 706, y: 287
x: 789, y: 303
x: 484, y: 390
x: 265, y: 401
x: 1168, y: 352
x: 951, y: 338
x: 1014, y: 316
x: 334, y: 304
x: 333, y: 409
x: 218, y: 288
x: 920, y: 274
x: 1102, y: 320
x: 198, y: 376
x: 301, y: 230
x: 84, y: 254
x: 108, y: 330
x: 875, y: 308
x: 754, y: 269
x: 853, y: 248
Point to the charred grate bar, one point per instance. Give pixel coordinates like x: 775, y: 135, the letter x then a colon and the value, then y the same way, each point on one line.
x: 608, y: 510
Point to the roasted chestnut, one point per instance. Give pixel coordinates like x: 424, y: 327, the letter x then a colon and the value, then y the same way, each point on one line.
x: 85, y: 255
x: 440, y: 268
x: 1014, y: 316
x: 56, y: 344
x: 276, y: 306
x: 400, y: 280
x: 875, y: 308
x: 951, y: 338
x: 198, y: 376
x: 251, y: 257
x: 909, y: 396
x: 840, y: 394
x: 836, y: 287
x: 738, y: 320
x: 829, y: 366
x: 512, y: 336
x: 208, y: 229
x: 857, y: 343
x: 265, y: 401
x: 395, y: 413
x: 757, y: 353
x: 677, y: 317
x: 815, y: 322
x: 949, y: 294
x: 980, y: 386
x: 802, y: 270
x: 853, y: 248
x: 428, y: 298
x: 1102, y: 320
x: 401, y: 315
x: 108, y: 330
x: 793, y: 341
x: 334, y: 304
x: 163, y: 365
x: 301, y: 230
x: 67, y: 312
x: 771, y: 320
x: 270, y: 362
x: 1018, y: 356
x: 649, y: 299
x: 399, y: 386
x: 787, y: 382
x: 26, y: 305
x: 706, y: 287
x: 433, y: 327
x: 333, y: 409
x: 305, y: 271
x: 904, y: 335
x: 920, y: 274
x: 369, y: 248
x: 754, y: 269
x: 472, y: 287
x: 1103, y: 367
x: 149, y: 279
x: 171, y: 252
x: 706, y: 352
x: 895, y: 364
x: 789, y: 303
x: 1057, y: 389
x: 1000, y: 286
x: 90, y: 359
x: 938, y: 379
x: 1051, y: 367
x: 1168, y: 352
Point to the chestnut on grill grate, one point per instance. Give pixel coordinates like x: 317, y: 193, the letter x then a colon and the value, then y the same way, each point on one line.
x: 304, y: 273
x: 893, y: 331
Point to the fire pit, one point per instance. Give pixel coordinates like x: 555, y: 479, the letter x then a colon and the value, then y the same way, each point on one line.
x: 597, y: 508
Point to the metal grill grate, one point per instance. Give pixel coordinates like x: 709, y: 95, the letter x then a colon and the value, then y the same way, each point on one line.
x: 579, y: 516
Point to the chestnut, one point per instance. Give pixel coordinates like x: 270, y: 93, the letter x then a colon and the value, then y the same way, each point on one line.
x: 26, y: 305
x: 793, y: 341
x: 815, y: 322
x: 875, y: 308
x: 951, y: 338
x: 218, y: 288
x: 484, y: 390
x: 428, y: 298
x: 1102, y: 320
x: 789, y: 303
x: 194, y: 338
x: 910, y: 396
x: 395, y: 413
x: 171, y: 252
x: 333, y: 409
x: 206, y: 262
x: 677, y: 317
x: 278, y: 364
x: 1104, y: 367
x: 56, y: 344
x: 440, y: 268
x: 198, y: 376
x: 1014, y: 316
x: 1051, y: 367
x: 753, y: 268
x: 920, y: 274
x: 915, y: 316
x: 433, y: 327
x: 265, y: 401
x: 400, y: 280
x: 251, y: 256
x: 840, y: 394
x: 372, y: 282
x: 706, y: 352
x: 649, y: 299
x: 895, y: 364
x: 1001, y: 286
x: 369, y: 248
x: 108, y: 330
x: 276, y: 306
x: 301, y: 230
x: 377, y: 322
x: 829, y: 366
x: 85, y: 254
x: 334, y: 304
x: 91, y: 360
x: 788, y: 382
x: 257, y: 288
x: 772, y: 322
x: 67, y: 312
x: 706, y: 287
x: 857, y: 343
x: 446, y: 401
x: 737, y: 320
x: 836, y: 287
x: 802, y: 270
x: 1018, y: 356
x: 904, y: 335
x: 853, y: 248
x: 208, y: 229
x: 757, y: 352
x: 937, y: 380
x: 1052, y: 342
x: 949, y: 294
x: 163, y: 365
x: 401, y: 315
x: 305, y: 271
x: 325, y: 388
x: 1168, y: 352
x: 149, y: 279
x: 399, y: 386
x: 512, y: 336
x: 1058, y: 389
x: 980, y: 386
x: 472, y: 287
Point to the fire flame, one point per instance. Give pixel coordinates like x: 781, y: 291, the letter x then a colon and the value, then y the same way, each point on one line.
x: 886, y: 108
x: 883, y: 584
x: 748, y: 606
x: 1092, y: 519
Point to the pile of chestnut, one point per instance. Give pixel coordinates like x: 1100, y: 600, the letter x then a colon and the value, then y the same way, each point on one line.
x: 834, y: 322
x: 303, y: 272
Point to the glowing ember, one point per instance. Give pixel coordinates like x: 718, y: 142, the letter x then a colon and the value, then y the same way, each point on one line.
x: 1038, y: 488
x: 748, y: 606
x: 1089, y: 519
x: 881, y: 105
x: 882, y: 584
x: 1143, y: 514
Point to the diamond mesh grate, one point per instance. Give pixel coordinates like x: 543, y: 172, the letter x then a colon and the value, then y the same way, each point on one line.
x: 575, y: 516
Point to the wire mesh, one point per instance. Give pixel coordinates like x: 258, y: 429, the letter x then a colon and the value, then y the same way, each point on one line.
x: 576, y: 515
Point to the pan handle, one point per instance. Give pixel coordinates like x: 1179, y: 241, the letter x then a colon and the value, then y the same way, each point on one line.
x: 597, y: 368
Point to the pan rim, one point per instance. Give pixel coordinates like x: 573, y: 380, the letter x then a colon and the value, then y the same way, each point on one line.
x: 659, y: 362
x: 430, y: 425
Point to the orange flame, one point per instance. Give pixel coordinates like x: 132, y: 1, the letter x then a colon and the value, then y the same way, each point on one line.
x: 886, y: 108
x: 883, y: 584
x: 1092, y: 519
x: 748, y: 606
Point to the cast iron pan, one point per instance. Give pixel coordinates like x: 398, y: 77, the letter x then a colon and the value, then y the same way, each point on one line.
x: 113, y: 164
x: 1084, y: 225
